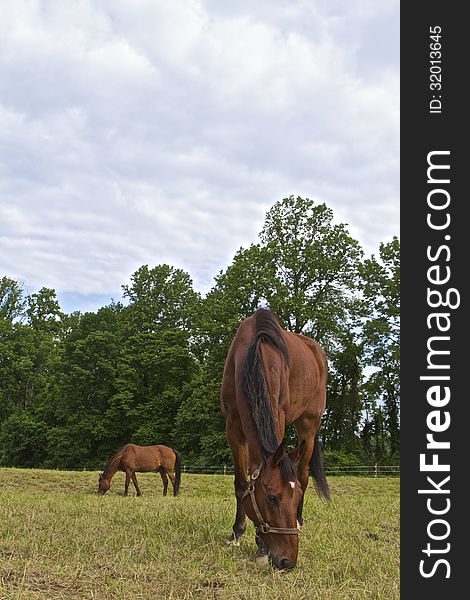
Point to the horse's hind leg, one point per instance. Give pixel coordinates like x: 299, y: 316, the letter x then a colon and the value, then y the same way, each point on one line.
x: 136, y: 485
x: 306, y: 428
x: 165, y: 480
x: 171, y: 475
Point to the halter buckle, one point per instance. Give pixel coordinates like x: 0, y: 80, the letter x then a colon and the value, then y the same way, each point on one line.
x: 263, y: 528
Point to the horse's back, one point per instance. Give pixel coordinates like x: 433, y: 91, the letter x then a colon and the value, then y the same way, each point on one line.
x: 166, y: 455
x: 306, y: 372
x: 147, y: 458
x: 309, y: 355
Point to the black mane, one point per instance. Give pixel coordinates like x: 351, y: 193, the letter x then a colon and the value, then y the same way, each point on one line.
x: 267, y: 330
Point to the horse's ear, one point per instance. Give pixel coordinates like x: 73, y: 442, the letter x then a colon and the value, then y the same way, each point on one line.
x: 296, y: 454
x: 277, y: 456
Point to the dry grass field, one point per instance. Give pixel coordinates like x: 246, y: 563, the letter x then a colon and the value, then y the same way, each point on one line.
x: 59, y: 540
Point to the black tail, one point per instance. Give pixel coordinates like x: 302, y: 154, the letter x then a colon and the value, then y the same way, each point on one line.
x: 318, y: 471
x: 176, y: 488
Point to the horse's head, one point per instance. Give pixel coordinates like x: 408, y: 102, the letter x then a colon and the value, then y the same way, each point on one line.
x: 271, y: 502
x: 103, y: 485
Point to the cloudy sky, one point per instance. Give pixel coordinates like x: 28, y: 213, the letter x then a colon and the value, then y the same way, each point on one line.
x: 145, y: 131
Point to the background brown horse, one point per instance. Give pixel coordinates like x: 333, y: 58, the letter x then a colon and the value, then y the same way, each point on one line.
x: 142, y: 459
x: 273, y: 378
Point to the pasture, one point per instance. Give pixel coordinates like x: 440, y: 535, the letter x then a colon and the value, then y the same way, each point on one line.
x: 59, y: 539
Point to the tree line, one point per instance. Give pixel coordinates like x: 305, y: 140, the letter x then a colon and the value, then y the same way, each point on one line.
x: 147, y: 369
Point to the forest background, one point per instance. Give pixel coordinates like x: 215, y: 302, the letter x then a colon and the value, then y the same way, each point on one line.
x: 147, y: 368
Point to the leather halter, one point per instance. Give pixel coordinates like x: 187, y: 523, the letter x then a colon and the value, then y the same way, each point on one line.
x: 264, y: 527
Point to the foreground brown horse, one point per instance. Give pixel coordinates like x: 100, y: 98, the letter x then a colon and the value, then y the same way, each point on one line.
x: 142, y: 459
x: 273, y: 378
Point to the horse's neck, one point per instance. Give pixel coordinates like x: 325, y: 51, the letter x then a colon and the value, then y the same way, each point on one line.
x: 109, y: 474
x: 112, y: 468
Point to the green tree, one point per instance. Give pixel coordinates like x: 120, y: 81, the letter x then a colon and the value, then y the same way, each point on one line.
x: 44, y: 312
x: 23, y: 440
x: 163, y: 366
x: 158, y: 352
x: 161, y: 298
x: 28, y: 350
x: 86, y: 382
x: 29, y: 353
x: 12, y: 301
x: 199, y: 425
x: 343, y: 415
x: 305, y: 269
x: 316, y: 265
x: 381, y: 285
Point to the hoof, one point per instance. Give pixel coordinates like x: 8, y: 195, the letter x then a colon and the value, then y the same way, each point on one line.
x: 232, y: 541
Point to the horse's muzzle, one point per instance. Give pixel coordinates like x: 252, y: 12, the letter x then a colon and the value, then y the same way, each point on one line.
x: 282, y: 564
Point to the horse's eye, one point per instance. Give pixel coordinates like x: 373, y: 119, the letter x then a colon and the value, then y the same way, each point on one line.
x: 272, y: 499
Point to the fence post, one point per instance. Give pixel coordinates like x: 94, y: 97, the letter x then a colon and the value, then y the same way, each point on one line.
x: 376, y: 471
x: 184, y: 468
x: 225, y: 470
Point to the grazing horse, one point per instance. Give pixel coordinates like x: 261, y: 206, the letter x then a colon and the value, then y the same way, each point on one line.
x: 142, y: 459
x: 273, y: 378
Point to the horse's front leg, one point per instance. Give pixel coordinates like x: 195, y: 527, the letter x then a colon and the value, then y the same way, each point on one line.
x: 262, y: 550
x: 126, y: 484
x: 239, y: 525
x: 136, y: 485
x: 240, y: 463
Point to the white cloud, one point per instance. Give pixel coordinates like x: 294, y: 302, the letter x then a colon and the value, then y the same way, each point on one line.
x: 144, y: 131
